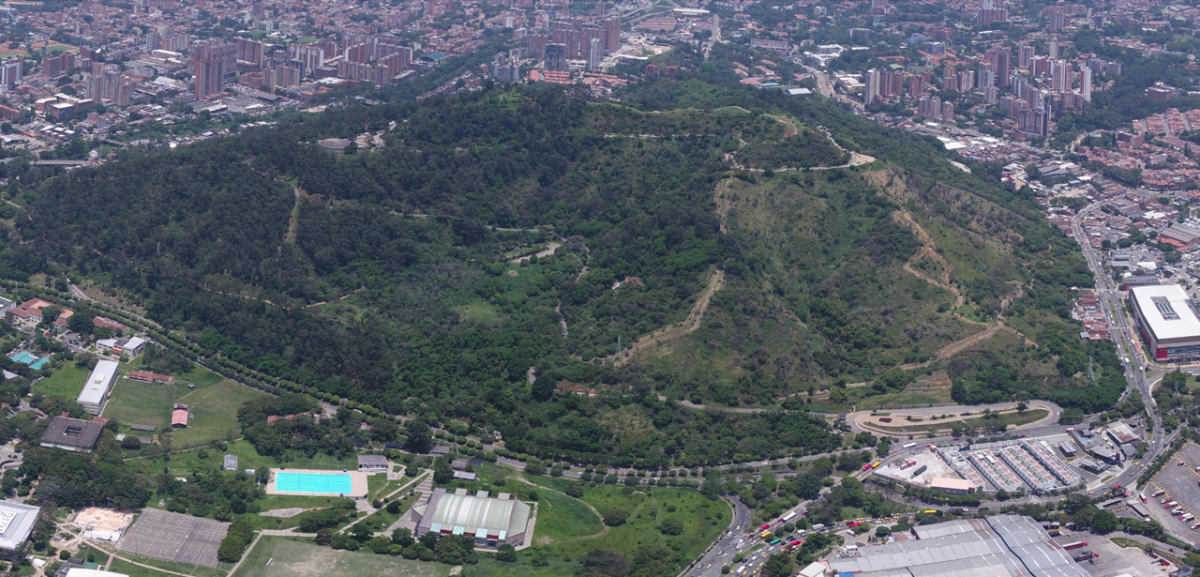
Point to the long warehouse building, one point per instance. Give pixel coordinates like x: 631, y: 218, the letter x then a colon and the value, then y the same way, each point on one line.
x: 1168, y: 321
x: 999, y: 546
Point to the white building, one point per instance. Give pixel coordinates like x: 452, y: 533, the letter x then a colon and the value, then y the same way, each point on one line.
x: 99, y: 384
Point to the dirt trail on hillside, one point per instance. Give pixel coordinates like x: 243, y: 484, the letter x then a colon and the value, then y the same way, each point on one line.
x: 721, y: 197
x: 687, y: 327
x: 791, y: 127
x: 929, y: 249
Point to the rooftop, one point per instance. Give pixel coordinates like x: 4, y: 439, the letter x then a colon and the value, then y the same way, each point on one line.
x: 98, y: 382
x: 17, y: 523
x: 1167, y: 310
x: 461, y: 512
x: 75, y: 433
x: 999, y: 546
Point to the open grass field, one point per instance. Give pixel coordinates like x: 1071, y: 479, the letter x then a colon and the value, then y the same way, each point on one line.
x: 65, y: 382
x: 214, y: 404
x: 290, y: 558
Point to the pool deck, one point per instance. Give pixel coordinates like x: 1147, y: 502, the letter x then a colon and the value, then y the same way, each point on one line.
x: 358, y: 483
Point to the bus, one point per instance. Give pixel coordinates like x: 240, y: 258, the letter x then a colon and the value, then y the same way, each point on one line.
x: 765, y: 534
x: 931, y: 511
x: 1075, y: 545
x: 764, y: 527
x: 909, y: 445
x: 800, y: 541
x: 867, y: 467
x: 787, y: 517
x: 775, y: 542
x: 877, y: 464
x: 1159, y: 493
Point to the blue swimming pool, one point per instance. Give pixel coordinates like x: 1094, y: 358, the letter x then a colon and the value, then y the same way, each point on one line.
x: 287, y: 482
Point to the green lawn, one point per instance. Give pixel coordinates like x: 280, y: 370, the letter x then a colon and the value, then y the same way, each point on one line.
x: 119, y: 566
x: 290, y: 558
x: 182, y: 464
x: 214, y: 404
x: 561, y: 518
x: 92, y: 554
x: 380, y: 520
x: 569, y: 531
x: 187, y: 569
x: 65, y: 382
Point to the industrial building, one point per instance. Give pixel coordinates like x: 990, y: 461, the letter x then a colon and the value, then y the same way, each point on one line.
x: 999, y: 546
x: 492, y: 521
x: 1168, y: 322
x: 95, y: 391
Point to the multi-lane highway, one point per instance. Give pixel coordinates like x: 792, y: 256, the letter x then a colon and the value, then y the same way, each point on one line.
x: 1121, y: 329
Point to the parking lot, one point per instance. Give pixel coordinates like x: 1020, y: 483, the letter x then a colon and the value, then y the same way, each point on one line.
x: 1182, y: 484
x: 1113, y: 560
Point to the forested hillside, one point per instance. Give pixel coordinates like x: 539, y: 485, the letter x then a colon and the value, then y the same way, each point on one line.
x: 393, y: 276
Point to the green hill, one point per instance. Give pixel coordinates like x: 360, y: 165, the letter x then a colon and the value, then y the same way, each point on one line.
x: 695, y: 223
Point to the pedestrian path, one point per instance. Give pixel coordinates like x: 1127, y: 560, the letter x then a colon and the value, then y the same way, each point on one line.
x: 406, y: 521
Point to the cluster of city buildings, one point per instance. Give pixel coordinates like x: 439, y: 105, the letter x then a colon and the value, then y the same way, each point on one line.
x: 1027, y: 86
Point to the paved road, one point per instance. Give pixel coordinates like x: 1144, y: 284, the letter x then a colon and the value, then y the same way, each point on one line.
x: 1121, y: 329
x: 726, y: 547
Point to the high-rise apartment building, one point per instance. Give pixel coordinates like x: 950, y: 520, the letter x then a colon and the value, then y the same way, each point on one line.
x: 11, y: 72
x: 556, y: 56
x: 595, y: 53
x: 1085, y: 85
x: 871, y: 89
x: 250, y: 51
x: 153, y: 41
x: 535, y: 45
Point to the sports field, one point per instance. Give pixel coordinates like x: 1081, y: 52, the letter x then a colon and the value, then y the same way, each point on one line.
x: 288, y: 558
x: 213, y: 403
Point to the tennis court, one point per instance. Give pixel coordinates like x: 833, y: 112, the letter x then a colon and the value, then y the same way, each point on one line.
x: 175, y: 537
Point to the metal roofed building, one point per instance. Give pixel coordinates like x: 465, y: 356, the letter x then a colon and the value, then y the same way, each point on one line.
x: 16, y: 523
x: 1167, y: 320
x: 1122, y: 434
x: 999, y: 546
x: 492, y: 521
x: 99, y: 383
